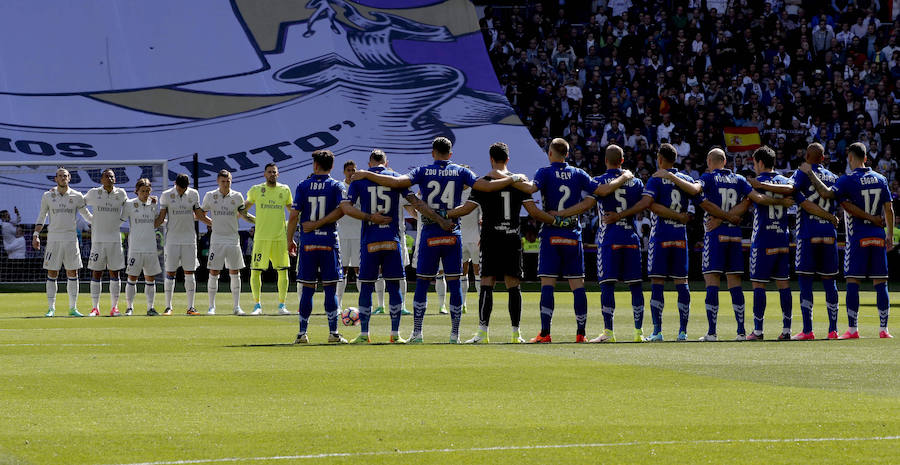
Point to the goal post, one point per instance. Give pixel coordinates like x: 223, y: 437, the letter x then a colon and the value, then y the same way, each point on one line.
x: 23, y: 183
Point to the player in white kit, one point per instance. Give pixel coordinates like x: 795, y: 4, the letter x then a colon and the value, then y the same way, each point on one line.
x: 62, y: 251
x: 224, y: 244
x: 470, y: 226
x: 349, y: 235
x: 106, y: 202
x: 179, y: 207
x: 141, y: 214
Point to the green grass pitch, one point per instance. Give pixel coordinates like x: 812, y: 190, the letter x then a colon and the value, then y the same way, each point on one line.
x: 224, y: 389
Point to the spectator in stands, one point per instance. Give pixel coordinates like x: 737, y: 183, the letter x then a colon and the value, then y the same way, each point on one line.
x: 13, y: 237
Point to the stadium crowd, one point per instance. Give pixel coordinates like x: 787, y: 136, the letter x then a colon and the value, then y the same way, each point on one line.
x: 640, y: 73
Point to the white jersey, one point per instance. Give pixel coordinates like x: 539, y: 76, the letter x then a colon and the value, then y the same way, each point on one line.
x: 61, y: 209
x: 349, y: 227
x: 140, y: 217
x: 107, y: 210
x: 180, y: 215
x: 469, y: 225
x: 223, y: 211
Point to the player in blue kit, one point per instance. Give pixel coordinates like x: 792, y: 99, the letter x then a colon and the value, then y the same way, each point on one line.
x: 380, y: 253
x: 561, y: 252
x: 866, y: 200
x: 618, y: 245
x: 440, y: 185
x: 816, y: 251
x: 667, y: 194
x: 317, y: 206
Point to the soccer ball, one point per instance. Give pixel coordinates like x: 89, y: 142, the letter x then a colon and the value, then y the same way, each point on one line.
x: 350, y: 316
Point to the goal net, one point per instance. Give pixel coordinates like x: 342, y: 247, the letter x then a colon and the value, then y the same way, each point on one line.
x: 23, y: 183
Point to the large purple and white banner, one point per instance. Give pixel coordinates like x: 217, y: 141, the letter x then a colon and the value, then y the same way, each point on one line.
x: 243, y: 83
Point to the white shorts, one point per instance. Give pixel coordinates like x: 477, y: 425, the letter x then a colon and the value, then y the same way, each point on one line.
x: 183, y: 255
x: 404, y: 255
x: 471, y: 251
x: 225, y: 255
x: 350, y: 252
x: 148, y: 262
x: 62, y: 254
x: 106, y: 256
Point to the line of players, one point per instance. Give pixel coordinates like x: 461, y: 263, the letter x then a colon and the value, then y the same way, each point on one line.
x: 375, y: 198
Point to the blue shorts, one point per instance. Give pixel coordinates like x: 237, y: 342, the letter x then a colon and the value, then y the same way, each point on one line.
x: 816, y: 255
x: 723, y: 252
x: 865, y: 258
x: 439, y: 249
x: 561, y: 257
x: 619, y: 262
x: 667, y: 259
x: 381, y: 255
x: 319, y: 261
x: 768, y: 263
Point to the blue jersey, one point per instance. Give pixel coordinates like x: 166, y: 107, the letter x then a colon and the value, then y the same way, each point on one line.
x: 725, y: 189
x: 667, y: 194
x: 373, y: 198
x: 810, y: 225
x: 440, y: 185
x: 867, y: 190
x: 561, y: 187
x: 770, y: 224
x: 316, y: 197
x: 625, y: 197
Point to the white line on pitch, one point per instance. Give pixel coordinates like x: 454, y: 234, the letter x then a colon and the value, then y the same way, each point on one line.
x: 505, y: 448
x: 50, y: 344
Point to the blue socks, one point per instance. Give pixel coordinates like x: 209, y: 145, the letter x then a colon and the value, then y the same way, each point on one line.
x: 607, y: 303
x: 306, y: 298
x: 852, y: 304
x: 546, y: 309
x: 883, y: 301
x: 657, y: 302
x: 637, y: 305
x: 684, y: 306
x: 420, y: 302
x: 831, y: 303
x: 737, y: 300
x: 806, y: 301
x: 454, y: 287
x: 395, y: 303
x: 331, y: 307
x: 580, y: 302
x: 712, y: 308
x: 365, y: 305
x: 759, y: 309
x: 787, y: 308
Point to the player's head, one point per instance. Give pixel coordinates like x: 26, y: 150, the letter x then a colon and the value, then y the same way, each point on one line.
x: 377, y: 158
x: 441, y: 148
x: 323, y: 161
x: 271, y: 173
x: 666, y: 156
x: 614, y: 156
x: 108, y: 178
x: 349, y: 169
x: 815, y: 153
x: 182, y: 182
x: 62, y: 177
x: 856, y: 154
x: 715, y: 159
x: 559, y: 148
x: 143, y: 188
x: 4, y: 215
x: 499, y: 153
x: 223, y: 179
x: 763, y: 159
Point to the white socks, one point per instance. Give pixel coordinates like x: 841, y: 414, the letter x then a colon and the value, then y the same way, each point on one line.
x: 403, y: 293
x: 212, y: 286
x: 440, y: 286
x: 379, y: 292
x: 464, y: 282
x: 150, y: 291
x: 236, y: 290
x: 169, y: 289
x: 130, y: 291
x: 72, y: 289
x: 190, y: 288
x: 341, y: 285
x: 115, y: 286
x: 96, y: 288
x: 51, y: 292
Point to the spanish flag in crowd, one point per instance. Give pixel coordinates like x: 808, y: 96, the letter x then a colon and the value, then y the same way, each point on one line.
x: 742, y: 139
